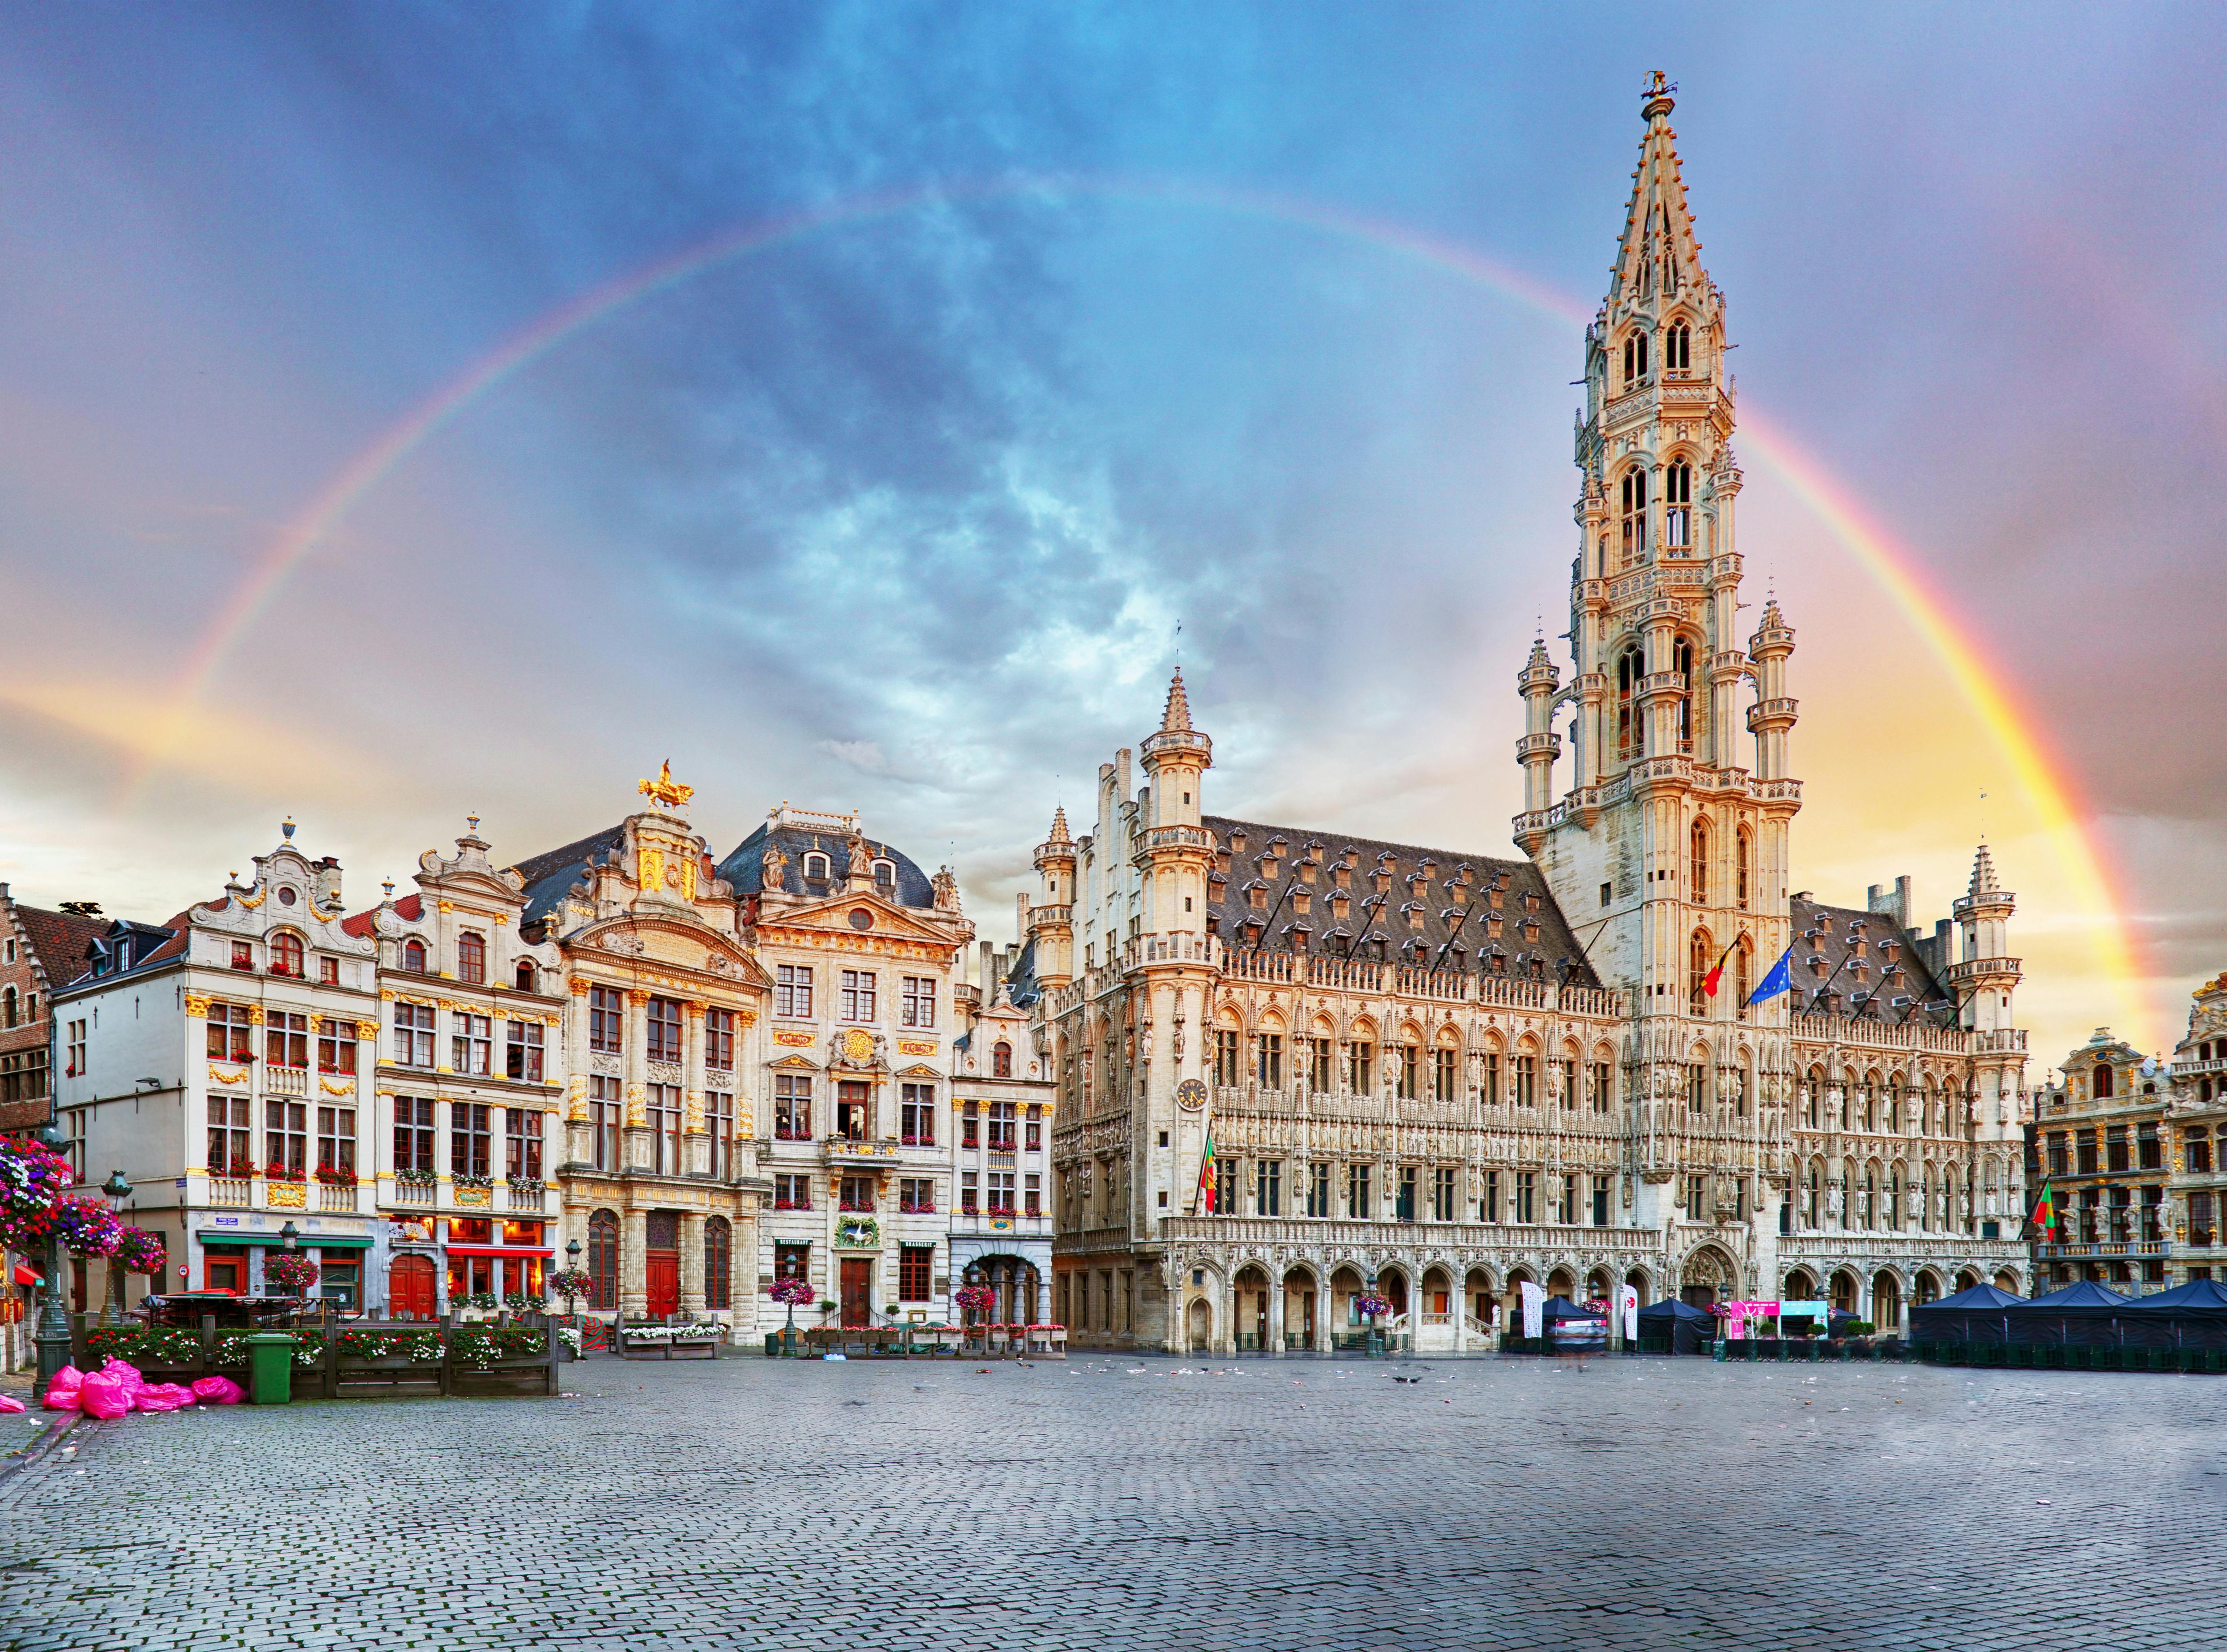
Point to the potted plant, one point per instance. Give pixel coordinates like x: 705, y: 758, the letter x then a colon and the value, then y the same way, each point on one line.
x: 571, y: 1283
x: 32, y: 1179
x: 291, y: 1272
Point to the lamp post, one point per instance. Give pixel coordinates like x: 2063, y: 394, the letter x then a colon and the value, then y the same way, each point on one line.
x: 53, y: 1334
x: 571, y: 1270
x: 116, y: 1189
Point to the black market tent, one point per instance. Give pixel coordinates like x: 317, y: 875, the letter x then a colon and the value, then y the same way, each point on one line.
x: 1569, y: 1327
x: 2085, y: 1294
x: 2194, y: 1316
x: 1972, y: 1315
x: 1679, y: 1324
x: 2082, y: 1315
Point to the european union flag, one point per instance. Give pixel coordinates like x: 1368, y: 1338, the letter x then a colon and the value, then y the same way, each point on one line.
x: 1779, y: 979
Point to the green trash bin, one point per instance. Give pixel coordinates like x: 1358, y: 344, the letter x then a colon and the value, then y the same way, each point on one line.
x: 271, y: 1368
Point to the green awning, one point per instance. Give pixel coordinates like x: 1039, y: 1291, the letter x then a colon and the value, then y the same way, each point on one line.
x: 303, y: 1241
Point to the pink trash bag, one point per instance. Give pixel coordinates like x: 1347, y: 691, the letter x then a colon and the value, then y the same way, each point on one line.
x: 218, y: 1391
x: 62, y: 1392
x: 103, y: 1396
x: 162, y: 1396
x: 128, y: 1375
x: 9, y: 1402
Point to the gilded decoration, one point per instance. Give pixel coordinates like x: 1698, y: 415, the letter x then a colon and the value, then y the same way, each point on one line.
x: 665, y: 791
x: 255, y: 1015
x: 916, y: 1046
x: 579, y: 988
x: 196, y: 1005
x: 650, y: 867
x: 637, y: 1104
x: 366, y: 1030
x: 857, y: 1044
x: 470, y: 1196
x: 637, y: 997
x: 792, y: 1040
x: 344, y: 1087
x: 287, y: 1196
x: 692, y: 1111
x: 218, y: 1075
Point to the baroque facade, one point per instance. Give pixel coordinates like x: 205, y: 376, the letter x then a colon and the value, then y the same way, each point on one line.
x: 2197, y: 1117
x: 1433, y: 1075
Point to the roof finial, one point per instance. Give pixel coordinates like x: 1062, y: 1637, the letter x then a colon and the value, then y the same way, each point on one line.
x: 1657, y: 95
x: 1177, y: 716
x: 286, y: 827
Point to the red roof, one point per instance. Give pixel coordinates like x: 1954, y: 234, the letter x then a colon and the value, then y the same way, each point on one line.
x: 60, y: 940
x: 410, y: 906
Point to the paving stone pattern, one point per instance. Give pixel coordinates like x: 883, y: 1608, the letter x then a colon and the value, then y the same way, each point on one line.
x: 1113, y: 1503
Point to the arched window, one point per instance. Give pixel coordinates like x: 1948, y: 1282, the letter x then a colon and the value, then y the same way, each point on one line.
x: 1677, y: 345
x: 471, y: 957
x: 719, y: 1263
x: 1740, y: 869
x: 1871, y: 1196
x: 1682, y: 661
x: 886, y: 876
x: 1697, y: 972
x: 522, y: 977
x: 815, y: 868
x: 413, y: 956
x: 286, y: 955
x: 1743, y: 975
x: 1678, y: 506
x: 1634, y: 358
x: 2102, y: 1081
x: 1698, y: 862
x: 1628, y: 672
x: 1816, y: 1194
x: 1634, y: 514
x: 8, y: 1008
x: 603, y: 1259
x: 1001, y: 1059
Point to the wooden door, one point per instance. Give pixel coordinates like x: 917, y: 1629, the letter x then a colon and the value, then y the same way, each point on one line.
x: 409, y: 1288
x: 857, y: 1290
x: 664, y: 1282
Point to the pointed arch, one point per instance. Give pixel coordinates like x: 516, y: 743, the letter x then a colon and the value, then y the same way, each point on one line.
x: 1743, y: 866
x: 1700, y: 953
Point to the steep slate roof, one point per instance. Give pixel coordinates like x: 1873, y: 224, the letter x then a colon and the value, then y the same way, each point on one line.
x: 548, y: 876
x: 168, y: 945
x: 745, y: 868
x: 1829, y: 929
x: 1442, y: 908
x: 61, y: 940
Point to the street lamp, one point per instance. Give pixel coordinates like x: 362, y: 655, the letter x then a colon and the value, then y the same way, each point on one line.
x: 54, y: 1333
x: 571, y: 1269
x: 116, y: 1189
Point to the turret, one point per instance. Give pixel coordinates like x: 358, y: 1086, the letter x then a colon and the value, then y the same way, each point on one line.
x: 1173, y: 850
x: 1540, y: 745
x: 1051, y: 919
x: 1773, y: 713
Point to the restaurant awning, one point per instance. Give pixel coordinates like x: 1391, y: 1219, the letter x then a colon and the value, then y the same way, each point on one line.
x: 304, y: 1241
x: 497, y: 1250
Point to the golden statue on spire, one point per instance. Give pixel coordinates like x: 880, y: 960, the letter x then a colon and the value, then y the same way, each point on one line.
x: 665, y: 791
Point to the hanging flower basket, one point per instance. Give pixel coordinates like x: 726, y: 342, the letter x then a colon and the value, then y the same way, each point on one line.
x: 31, y: 1180
x: 573, y: 1282
x: 87, y: 1227
x: 974, y: 1298
x: 796, y: 1293
x: 1369, y: 1307
x: 291, y: 1272
x: 140, y: 1252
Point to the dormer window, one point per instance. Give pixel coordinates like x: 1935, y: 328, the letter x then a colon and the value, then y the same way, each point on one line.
x: 413, y: 956
x: 471, y: 957
x: 286, y: 955
x: 242, y: 955
x: 522, y: 977
x: 816, y: 868
x: 1258, y: 895
x: 1237, y: 841
x: 886, y: 875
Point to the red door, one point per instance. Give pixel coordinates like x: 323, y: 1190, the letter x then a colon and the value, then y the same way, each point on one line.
x: 409, y: 1287
x: 857, y: 1290
x: 664, y: 1283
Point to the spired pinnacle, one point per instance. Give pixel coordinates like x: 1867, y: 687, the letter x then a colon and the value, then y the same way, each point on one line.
x: 1059, y: 826
x: 1983, y: 873
x: 1177, y: 716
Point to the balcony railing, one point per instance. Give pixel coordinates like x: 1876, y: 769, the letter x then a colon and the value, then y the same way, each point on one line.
x: 843, y: 1147
x: 332, y: 1197
x: 285, y: 1081
x: 414, y: 1193
x: 523, y: 1198
x: 231, y: 1192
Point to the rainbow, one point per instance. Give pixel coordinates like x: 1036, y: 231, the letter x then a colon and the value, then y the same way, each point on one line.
x: 1895, y: 566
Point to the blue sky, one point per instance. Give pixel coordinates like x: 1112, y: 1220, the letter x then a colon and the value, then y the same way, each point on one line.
x: 903, y: 514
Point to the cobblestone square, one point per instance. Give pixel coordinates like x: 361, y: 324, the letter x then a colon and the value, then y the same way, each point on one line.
x: 1119, y: 1503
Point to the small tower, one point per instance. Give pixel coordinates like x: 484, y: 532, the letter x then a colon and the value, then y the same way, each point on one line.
x: 1173, y: 851
x: 1540, y: 745
x: 1983, y: 978
x: 1773, y: 714
x: 1051, y: 920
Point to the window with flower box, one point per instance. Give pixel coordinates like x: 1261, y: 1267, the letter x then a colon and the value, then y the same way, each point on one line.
x: 471, y: 957
x: 970, y: 1197
x: 413, y: 1135
x: 242, y: 955
x: 606, y: 1020
x: 919, y: 1001
x: 719, y: 1040
x: 230, y: 1036
x: 858, y: 1193
x: 661, y: 1033
x: 1034, y: 1140
x: 522, y: 1051
x: 916, y: 1271
x: 1032, y: 1196
x: 916, y: 1115
x: 470, y: 1141
x: 522, y: 1132
x: 286, y: 1039
x: 970, y: 1125
x: 792, y: 1106
x: 286, y: 1139
x: 1001, y: 1126
x: 605, y: 1115
x: 792, y: 1192
x: 229, y: 1151
x: 286, y: 956
x: 413, y: 1035
x: 792, y: 992
x: 998, y: 1199
x: 336, y: 1144
x: 916, y: 1195
x: 471, y: 1045
x: 336, y: 1045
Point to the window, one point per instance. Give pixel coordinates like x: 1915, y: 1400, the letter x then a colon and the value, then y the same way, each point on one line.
x: 413, y: 1133
x: 2102, y: 1081
x: 858, y: 995
x: 719, y: 1120
x: 791, y: 993
x: 1488, y: 1205
x: 1526, y: 1080
x: 470, y: 1149
x: 1603, y: 1087
x: 23, y: 1075
x: 1678, y: 348
x: 1634, y: 358
x: 1566, y: 1208
x: 854, y: 1112
x: 2084, y: 1145
x: 1492, y: 1079
x: 1001, y: 1126
x: 1268, y: 1188
x: 229, y: 1152
x: 792, y: 1192
x: 918, y: 1006
x: 605, y: 1114
x: 1404, y: 1200
x: 603, y: 1259
x: 1740, y: 869
x: 1443, y: 1068
x: 336, y: 1045
x: 1036, y: 1131
x: 2196, y: 1149
x: 916, y: 1115
x: 2151, y: 1150
x: 1320, y: 1078
x: 1696, y: 1197
x: 792, y: 1106
x: 523, y: 977
x: 328, y: 972
x: 286, y: 955
x: 916, y: 1195
x: 1001, y: 1059
x: 719, y: 1040
x: 1405, y: 1085
x: 1442, y: 1193
x: 229, y: 1039
x: 664, y: 1120
x: 915, y: 1271
x: 1318, y: 1191
x: 970, y: 1126
x: 286, y: 1039
x: 413, y: 956
x: 336, y: 1140
x: 719, y: 1263
x: 2115, y: 1148
x: 225, y: 1268
x: 1360, y: 1067
x: 970, y: 1200
x: 1527, y: 1196
x: 1225, y: 1059
x: 522, y: 1132
x: 1678, y: 506
x: 886, y: 876
x: 1000, y: 1201
x: 471, y: 1045
x: 1268, y: 1060
x: 606, y: 1020
x: 1356, y: 1192
x: 1697, y: 874
x: 242, y: 955
x: 1634, y: 515
x: 661, y: 1032
x: 471, y: 957
x: 1225, y: 1190
x: 286, y: 1137
x: 792, y: 1261
x: 1032, y: 1195
x: 1600, y: 1200
x: 522, y: 1051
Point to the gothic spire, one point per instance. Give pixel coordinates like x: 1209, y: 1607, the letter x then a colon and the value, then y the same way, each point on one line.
x: 1658, y: 254
x: 1059, y: 826
x: 1983, y: 873
x: 1177, y: 716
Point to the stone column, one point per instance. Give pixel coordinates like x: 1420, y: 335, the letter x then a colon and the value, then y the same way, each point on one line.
x: 692, y: 1263
x: 635, y: 1152
x: 1276, y: 1312
x: 1322, y: 1311
x: 571, y: 1058
x: 634, y: 1263
x: 696, y: 1141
